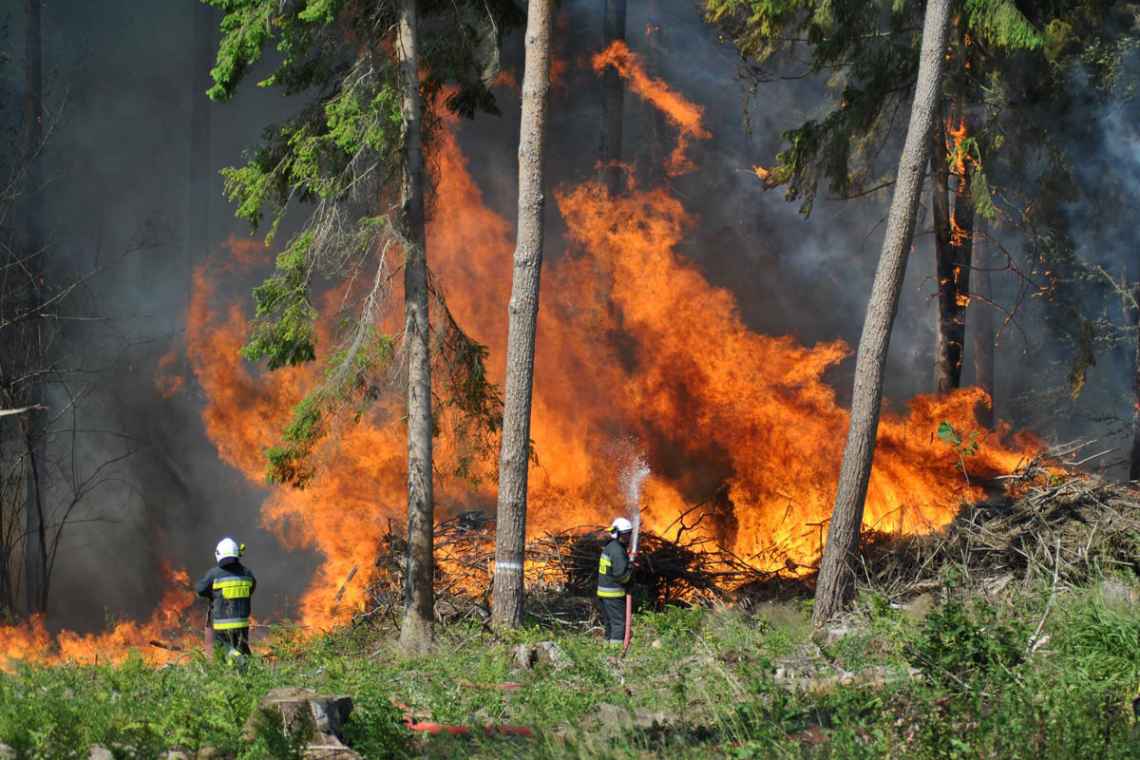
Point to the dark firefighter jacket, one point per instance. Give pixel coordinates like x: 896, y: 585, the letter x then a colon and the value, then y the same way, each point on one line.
x: 229, y: 586
x: 614, y: 570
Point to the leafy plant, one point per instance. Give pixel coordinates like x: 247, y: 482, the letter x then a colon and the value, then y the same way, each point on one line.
x: 963, y: 646
x: 963, y: 447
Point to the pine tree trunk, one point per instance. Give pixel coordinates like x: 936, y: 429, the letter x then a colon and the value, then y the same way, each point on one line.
x: 836, y: 577
x: 35, y: 538
x: 416, y: 630
x: 198, y: 234
x: 1134, y: 468
x: 962, y: 246
x: 657, y: 134
x: 983, y: 320
x: 944, y: 375
x: 514, y: 458
x: 613, y: 93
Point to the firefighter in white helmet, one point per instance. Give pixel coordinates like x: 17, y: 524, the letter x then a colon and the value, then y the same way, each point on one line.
x: 614, y: 573
x: 229, y: 586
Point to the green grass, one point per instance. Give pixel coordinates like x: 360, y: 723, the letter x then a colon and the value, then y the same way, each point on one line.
x: 708, y: 675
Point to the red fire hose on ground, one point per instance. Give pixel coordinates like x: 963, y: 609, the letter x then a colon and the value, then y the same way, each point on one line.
x: 433, y: 728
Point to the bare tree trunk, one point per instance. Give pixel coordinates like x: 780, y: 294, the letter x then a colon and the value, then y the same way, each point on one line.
x: 514, y: 458
x: 613, y: 94
x: 35, y: 539
x: 836, y: 577
x: 983, y: 321
x: 419, y: 605
x: 1134, y: 468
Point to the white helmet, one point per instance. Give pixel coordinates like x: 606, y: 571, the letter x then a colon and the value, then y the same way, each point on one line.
x: 621, y: 525
x: 227, y: 547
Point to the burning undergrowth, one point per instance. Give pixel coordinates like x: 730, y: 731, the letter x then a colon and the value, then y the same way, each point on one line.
x: 1037, y: 525
x: 561, y: 572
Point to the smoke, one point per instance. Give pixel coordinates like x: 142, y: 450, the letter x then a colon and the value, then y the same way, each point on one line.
x: 121, y: 213
x: 123, y: 200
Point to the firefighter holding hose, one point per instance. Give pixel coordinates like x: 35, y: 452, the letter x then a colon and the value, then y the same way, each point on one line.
x: 614, y: 572
x: 229, y: 587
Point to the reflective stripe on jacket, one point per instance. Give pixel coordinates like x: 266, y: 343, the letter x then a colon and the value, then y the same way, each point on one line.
x: 614, y: 570
x: 229, y: 587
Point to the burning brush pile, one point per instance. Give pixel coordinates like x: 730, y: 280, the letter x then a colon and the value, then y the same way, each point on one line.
x: 561, y: 572
x: 1040, y: 527
x: 1039, y: 524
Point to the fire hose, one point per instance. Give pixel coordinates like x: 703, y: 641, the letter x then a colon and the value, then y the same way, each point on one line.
x: 629, y: 595
x: 208, y: 632
x: 628, y: 619
x: 433, y: 728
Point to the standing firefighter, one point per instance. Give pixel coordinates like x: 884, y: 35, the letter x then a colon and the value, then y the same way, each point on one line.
x: 229, y: 586
x: 614, y: 572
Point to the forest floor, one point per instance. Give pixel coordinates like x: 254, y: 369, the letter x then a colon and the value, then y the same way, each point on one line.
x: 1025, y: 671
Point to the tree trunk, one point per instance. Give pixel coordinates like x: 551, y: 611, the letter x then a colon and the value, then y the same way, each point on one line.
x: 514, y: 458
x: 657, y: 134
x: 953, y: 246
x: 962, y: 248
x: 836, y: 578
x: 613, y: 94
x: 983, y: 321
x: 1134, y: 468
x: 943, y: 255
x: 416, y: 631
x: 35, y: 540
x: 198, y: 234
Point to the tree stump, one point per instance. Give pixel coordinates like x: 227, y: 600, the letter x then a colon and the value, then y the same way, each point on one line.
x: 301, y: 720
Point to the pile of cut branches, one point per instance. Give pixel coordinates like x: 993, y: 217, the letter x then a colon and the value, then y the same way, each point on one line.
x: 1062, y: 529
x: 561, y: 572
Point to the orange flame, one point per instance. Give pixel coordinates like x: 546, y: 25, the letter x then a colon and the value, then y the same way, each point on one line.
x: 166, y: 381
x: 683, y: 114
x: 958, y: 234
x: 958, y: 153
x: 719, y: 408
x: 162, y: 638
x: 715, y: 402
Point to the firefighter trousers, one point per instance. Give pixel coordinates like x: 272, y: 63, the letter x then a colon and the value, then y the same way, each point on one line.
x: 232, y: 640
x: 613, y: 615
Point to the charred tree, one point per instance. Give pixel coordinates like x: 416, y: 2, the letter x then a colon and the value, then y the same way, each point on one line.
x: 953, y: 236
x: 514, y: 459
x: 943, y: 256
x: 35, y: 538
x: 984, y: 341
x: 836, y: 577
x: 655, y: 147
x: 613, y: 95
x: 416, y: 630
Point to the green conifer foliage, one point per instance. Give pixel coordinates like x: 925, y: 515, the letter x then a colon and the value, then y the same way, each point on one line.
x: 337, y: 163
